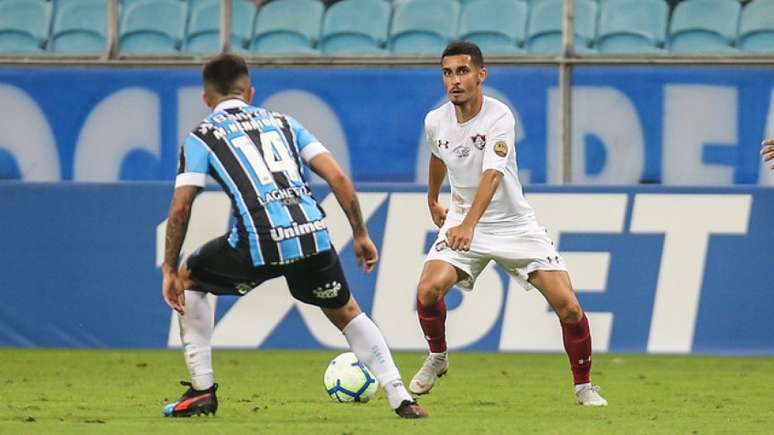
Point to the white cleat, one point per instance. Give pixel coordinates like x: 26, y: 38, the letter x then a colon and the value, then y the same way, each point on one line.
x: 435, y: 366
x: 588, y: 395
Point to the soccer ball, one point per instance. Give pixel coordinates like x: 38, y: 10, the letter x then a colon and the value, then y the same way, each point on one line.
x: 348, y: 380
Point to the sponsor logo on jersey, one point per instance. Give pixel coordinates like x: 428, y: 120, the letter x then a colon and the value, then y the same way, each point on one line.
x: 328, y: 291
x: 279, y: 234
x: 461, y: 151
x: 443, y: 144
x: 500, y: 148
x: 288, y: 196
x: 479, y: 141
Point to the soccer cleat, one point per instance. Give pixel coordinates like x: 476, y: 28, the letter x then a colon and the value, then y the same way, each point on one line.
x: 588, y: 395
x: 435, y: 366
x: 409, y: 409
x: 193, y: 402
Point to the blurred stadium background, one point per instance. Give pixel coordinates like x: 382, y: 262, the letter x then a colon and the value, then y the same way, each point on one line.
x: 640, y: 123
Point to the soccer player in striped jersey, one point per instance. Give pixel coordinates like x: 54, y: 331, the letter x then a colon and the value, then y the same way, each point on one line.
x: 257, y: 157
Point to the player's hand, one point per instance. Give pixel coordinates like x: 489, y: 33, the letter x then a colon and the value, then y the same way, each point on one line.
x: 458, y: 238
x: 768, y: 150
x: 438, y: 212
x: 365, y: 253
x: 172, y: 290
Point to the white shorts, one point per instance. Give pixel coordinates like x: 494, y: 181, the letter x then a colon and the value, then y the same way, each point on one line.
x: 519, y: 251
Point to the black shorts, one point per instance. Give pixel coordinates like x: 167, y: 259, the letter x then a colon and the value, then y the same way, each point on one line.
x: 220, y: 269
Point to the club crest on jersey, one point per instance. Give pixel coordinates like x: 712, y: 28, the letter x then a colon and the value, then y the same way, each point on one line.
x: 443, y: 144
x: 501, y: 149
x: 461, y: 151
x: 479, y: 141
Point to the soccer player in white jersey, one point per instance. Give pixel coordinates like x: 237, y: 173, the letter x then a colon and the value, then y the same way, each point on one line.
x: 768, y: 151
x: 471, y: 138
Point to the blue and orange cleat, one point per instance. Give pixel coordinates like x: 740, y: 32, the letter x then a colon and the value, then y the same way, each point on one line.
x: 193, y: 402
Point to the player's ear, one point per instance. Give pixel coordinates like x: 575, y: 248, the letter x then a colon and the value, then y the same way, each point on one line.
x: 250, y: 95
x: 482, y: 73
x: 206, y: 99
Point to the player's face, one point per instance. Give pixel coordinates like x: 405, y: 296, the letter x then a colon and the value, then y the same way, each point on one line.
x: 461, y: 78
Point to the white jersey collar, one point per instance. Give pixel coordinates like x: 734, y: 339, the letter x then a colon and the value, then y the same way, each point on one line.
x: 475, y: 117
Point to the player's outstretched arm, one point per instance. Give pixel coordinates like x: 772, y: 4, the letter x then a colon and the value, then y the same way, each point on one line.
x: 767, y: 151
x: 435, y: 177
x: 177, y: 226
x: 459, y: 237
x: 326, y: 167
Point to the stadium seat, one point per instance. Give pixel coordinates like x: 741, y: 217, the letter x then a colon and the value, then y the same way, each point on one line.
x: 203, y: 34
x: 126, y: 3
x: 356, y: 27
x: 288, y: 26
x: 153, y: 26
x: 497, y: 26
x: 423, y: 26
x: 756, y: 28
x: 544, y: 31
x: 703, y: 26
x: 24, y: 26
x: 632, y: 26
x: 79, y: 27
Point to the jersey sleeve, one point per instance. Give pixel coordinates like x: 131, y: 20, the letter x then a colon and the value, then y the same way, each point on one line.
x: 430, y: 137
x: 193, y: 163
x: 308, y: 145
x: 500, y: 142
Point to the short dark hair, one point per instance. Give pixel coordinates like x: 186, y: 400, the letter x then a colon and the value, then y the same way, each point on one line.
x: 222, y: 72
x: 463, y: 47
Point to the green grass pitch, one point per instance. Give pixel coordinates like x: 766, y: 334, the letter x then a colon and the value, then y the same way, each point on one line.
x: 281, y: 392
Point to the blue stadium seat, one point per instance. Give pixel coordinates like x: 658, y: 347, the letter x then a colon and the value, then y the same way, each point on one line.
x: 497, y: 26
x: 703, y: 26
x: 423, y: 26
x: 756, y: 28
x: 288, y: 26
x: 79, y: 27
x: 356, y: 27
x: 24, y: 26
x: 126, y: 3
x: 153, y: 26
x: 544, y: 31
x: 203, y: 34
x: 632, y: 26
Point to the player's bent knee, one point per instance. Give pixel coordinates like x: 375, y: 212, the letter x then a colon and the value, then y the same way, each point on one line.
x: 429, y: 292
x: 570, y: 312
x: 340, y: 317
x: 351, y: 309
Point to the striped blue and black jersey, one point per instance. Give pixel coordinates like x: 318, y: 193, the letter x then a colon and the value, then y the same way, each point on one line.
x: 256, y: 156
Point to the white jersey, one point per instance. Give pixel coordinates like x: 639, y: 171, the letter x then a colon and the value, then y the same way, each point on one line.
x: 468, y: 149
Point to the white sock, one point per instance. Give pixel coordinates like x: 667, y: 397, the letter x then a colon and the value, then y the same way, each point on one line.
x: 196, y: 327
x: 367, y: 343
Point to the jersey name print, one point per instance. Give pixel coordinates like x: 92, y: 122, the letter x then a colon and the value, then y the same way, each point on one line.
x: 257, y: 157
